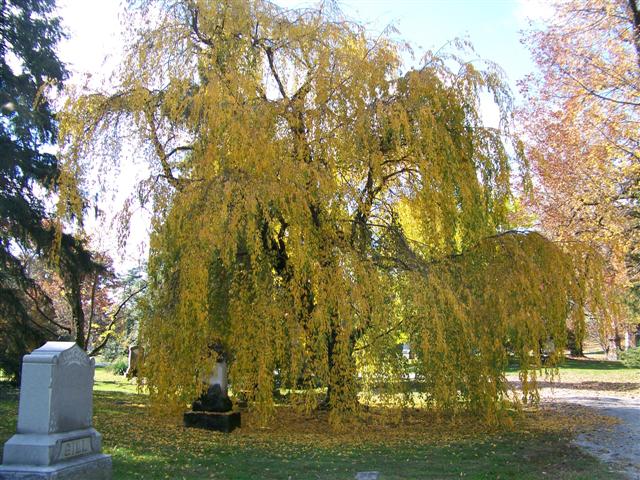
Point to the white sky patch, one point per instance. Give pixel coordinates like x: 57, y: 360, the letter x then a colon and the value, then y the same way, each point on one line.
x: 92, y: 52
x: 95, y: 39
x: 489, y: 111
x: 536, y: 11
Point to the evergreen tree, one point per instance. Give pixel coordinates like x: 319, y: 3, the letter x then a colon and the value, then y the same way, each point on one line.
x: 29, y: 68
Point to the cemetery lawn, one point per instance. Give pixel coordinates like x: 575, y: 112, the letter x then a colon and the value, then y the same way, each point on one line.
x: 592, y: 375
x: 538, y: 445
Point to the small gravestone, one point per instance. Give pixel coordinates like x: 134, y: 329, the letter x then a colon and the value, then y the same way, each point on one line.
x: 132, y: 365
x: 213, y: 410
x: 613, y: 348
x: 367, y: 475
x: 55, y: 439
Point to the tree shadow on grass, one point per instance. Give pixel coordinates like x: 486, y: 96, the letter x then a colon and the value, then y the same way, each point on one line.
x: 591, y: 386
x: 8, y: 412
x: 578, y: 363
x: 575, y: 363
x: 156, y: 448
x: 8, y: 391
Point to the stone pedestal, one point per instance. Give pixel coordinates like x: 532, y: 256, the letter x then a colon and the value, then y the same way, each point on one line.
x: 94, y: 467
x: 55, y: 438
x: 219, y: 421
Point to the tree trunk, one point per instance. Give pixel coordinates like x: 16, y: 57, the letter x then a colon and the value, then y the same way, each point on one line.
x: 73, y: 293
x: 635, y: 18
x: 342, y: 389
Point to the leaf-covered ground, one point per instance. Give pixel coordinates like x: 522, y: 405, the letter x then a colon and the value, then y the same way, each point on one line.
x: 298, y: 447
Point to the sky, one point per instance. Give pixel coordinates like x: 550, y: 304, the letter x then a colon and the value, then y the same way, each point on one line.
x: 493, y: 26
x: 95, y: 40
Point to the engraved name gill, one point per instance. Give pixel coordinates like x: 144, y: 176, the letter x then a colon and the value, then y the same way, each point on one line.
x: 73, y: 448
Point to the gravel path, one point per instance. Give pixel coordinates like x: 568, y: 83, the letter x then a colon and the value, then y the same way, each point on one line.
x: 618, y: 445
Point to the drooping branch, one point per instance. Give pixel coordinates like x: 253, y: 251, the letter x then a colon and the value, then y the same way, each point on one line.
x: 390, y: 330
x: 48, y: 318
x: 114, y: 317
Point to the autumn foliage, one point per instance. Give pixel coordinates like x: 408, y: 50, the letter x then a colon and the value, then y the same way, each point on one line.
x: 581, y: 132
x: 315, y: 208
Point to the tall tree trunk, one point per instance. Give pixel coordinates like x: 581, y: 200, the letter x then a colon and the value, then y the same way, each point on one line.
x: 635, y: 18
x: 342, y: 389
x: 73, y: 294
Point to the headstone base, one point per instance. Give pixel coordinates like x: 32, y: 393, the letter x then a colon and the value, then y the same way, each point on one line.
x: 94, y: 467
x: 43, y: 450
x: 221, y: 422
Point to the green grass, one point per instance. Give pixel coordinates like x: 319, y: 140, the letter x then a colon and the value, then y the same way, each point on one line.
x: 594, y: 366
x: 599, y: 375
x: 151, y: 448
x: 586, y: 369
x: 107, y: 381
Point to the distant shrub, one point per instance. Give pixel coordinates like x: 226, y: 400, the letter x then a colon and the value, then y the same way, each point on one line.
x: 113, y: 350
x: 119, y: 367
x: 631, y: 357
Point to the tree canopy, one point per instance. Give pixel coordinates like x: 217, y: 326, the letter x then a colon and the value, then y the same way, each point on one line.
x: 316, y: 205
x: 581, y: 131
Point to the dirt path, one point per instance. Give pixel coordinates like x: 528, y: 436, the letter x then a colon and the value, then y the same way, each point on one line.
x: 618, y: 445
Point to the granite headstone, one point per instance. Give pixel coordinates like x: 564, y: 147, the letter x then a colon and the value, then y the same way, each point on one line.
x: 132, y: 365
x: 367, y: 475
x: 55, y: 438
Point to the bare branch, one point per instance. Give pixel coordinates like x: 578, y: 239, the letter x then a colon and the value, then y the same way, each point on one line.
x: 114, y: 318
x: 269, y: 51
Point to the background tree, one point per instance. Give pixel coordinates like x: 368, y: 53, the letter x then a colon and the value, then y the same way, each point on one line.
x: 313, y: 205
x: 108, y: 304
x: 29, y: 68
x: 581, y: 130
x: 114, y: 312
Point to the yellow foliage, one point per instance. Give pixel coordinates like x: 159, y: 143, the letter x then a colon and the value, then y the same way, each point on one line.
x: 290, y: 159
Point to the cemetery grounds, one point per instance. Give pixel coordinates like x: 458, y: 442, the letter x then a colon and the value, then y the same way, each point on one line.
x: 412, y: 444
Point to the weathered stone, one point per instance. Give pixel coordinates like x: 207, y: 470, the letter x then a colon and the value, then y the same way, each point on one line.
x: 55, y: 438
x: 132, y: 365
x: 213, y: 400
x: 367, y: 475
x: 213, y: 409
x: 221, y: 422
x: 94, y: 467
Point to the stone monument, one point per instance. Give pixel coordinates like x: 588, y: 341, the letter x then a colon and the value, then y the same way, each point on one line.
x: 367, y: 475
x: 55, y: 439
x: 132, y: 366
x: 213, y: 410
